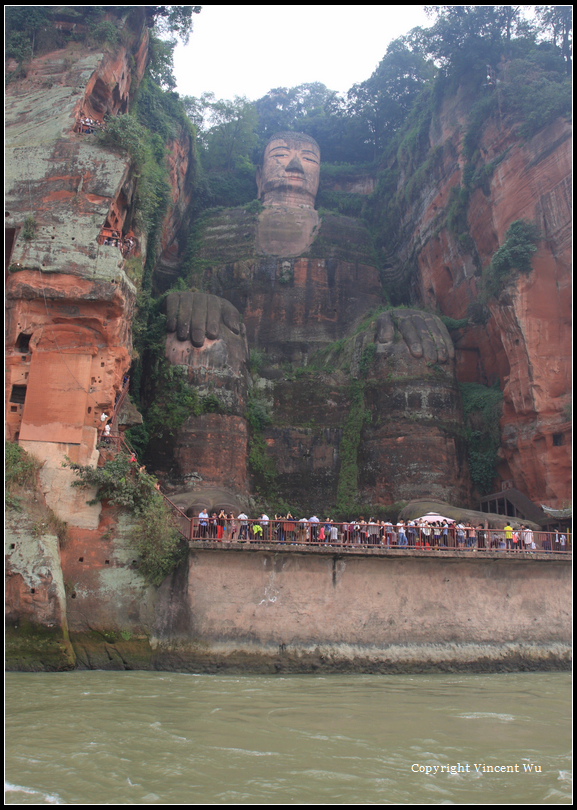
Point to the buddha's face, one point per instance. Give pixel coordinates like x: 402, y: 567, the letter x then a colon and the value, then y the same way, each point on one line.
x: 290, y: 172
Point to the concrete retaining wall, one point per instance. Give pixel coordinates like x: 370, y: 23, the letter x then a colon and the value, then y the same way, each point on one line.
x: 301, y: 611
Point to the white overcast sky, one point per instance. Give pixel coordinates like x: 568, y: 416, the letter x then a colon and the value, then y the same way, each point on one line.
x: 248, y: 50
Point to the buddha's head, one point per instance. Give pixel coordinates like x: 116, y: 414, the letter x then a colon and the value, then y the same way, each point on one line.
x: 290, y: 170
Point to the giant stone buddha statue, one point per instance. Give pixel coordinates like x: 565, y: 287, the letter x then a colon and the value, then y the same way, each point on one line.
x: 287, y: 283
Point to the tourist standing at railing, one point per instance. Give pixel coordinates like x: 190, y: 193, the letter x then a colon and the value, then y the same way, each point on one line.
x: 481, y: 537
x: 231, y: 527
x: 516, y: 540
x: 314, y: 528
x: 290, y: 528
x: 279, y: 528
x: 387, y: 529
x: 221, y: 524
x: 243, y: 520
x: 264, y: 522
x: 373, y: 532
x: 425, y: 534
x: 411, y: 533
x: 334, y: 534
x: 460, y: 535
x: 509, y: 536
x: 402, y: 537
x: 345, y: 533
x: 471, y: 537
x: 445, y: 534
x: 202, y: 524
x: 527, y: 538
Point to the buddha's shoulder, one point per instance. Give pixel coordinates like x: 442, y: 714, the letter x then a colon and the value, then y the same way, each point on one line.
x: 347, y: 238
x: 228, y: 234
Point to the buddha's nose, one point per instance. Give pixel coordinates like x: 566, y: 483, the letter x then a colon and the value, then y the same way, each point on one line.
x: 295, y: 166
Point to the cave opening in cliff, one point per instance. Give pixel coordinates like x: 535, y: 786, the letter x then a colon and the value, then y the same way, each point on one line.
x: 18, y: 394
x: 23, y: 343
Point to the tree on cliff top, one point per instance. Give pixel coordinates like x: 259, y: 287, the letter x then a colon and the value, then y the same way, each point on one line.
x: 557, y: 21
x: 173, y: 21
x: 464, y: 38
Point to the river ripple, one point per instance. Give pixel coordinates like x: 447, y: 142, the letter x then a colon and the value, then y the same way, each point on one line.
x: 171, y: 738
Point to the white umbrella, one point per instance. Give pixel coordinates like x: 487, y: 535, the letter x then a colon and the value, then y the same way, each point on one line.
x: 433, y: 517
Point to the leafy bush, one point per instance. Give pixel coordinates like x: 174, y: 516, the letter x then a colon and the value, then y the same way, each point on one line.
x: 157, y: 541
x: 515, y: 253
x: 258, y: 411
x: 104, y: 31
x: 154, y: 536
x: 175, y: 402
x: 118, y: 481
x: 536, y: 95
x: 21, y: 470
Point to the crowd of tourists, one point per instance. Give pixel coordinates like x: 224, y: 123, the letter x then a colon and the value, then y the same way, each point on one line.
x: 424, y: 534
x: 86, y: 125
x: 114, y: 238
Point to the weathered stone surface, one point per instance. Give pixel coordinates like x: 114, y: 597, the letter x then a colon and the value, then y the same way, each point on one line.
x: 36, y: 611
x: 525, y: 340
x: 70, y: 303
x: 214, y: 448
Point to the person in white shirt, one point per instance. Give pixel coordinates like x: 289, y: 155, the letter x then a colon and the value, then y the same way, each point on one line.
x: 243, y: 526
x: 264, y: 522
x: 202, y: 524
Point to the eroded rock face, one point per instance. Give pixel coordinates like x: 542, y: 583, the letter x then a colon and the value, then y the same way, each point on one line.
x: 69, y: 301
x: 522, y: 338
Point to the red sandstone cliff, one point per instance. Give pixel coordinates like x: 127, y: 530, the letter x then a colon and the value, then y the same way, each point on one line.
x: 524, y: 340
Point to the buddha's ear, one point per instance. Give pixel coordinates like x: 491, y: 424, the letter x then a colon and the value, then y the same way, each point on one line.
x: 259, y: 181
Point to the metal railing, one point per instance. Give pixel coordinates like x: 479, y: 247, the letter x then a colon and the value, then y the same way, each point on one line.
x: 349, y: 536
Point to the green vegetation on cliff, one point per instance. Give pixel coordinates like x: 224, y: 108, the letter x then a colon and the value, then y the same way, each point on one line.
x: 482, y: 406
x: 21, y: 470
x: 154, y: 534
x: 515, y: 254
x: 23, y: 493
